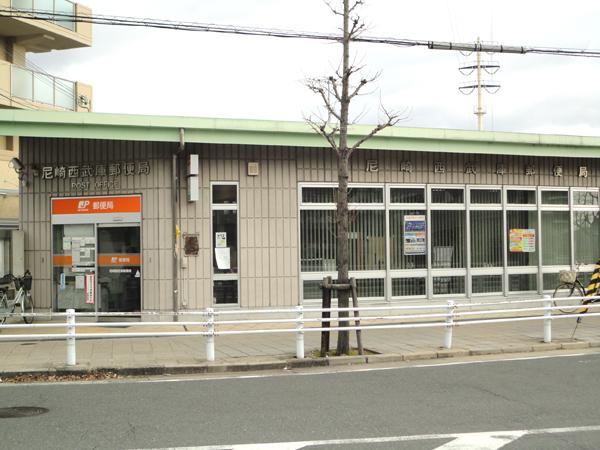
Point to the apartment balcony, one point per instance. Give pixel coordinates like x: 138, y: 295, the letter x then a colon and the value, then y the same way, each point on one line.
x: 38, y: 36
x: 22, y: 88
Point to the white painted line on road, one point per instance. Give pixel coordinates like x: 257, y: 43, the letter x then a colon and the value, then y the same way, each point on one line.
x: 490, y: 440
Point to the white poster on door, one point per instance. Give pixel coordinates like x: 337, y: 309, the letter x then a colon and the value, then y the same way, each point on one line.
x: 221, y: 239
x: 223, y: 259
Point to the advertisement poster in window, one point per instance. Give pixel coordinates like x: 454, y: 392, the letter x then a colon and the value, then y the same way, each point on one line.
x: 522, y: 240
x: 415, y: 235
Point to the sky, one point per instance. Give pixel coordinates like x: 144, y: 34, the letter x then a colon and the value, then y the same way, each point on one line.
x: 166, y: 72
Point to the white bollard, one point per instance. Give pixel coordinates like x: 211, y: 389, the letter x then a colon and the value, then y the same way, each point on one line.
x: 548, y: 318
x: 210, y: 339
x: 299, y: 332
x: 71, y: 351
x: 449, y: 325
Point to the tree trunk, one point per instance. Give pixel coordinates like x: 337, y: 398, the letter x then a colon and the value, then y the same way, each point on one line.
x: 343, y: 343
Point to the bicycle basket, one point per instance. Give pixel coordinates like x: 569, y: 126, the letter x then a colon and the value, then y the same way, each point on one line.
x: 567, y: 276
x: 27, y: 281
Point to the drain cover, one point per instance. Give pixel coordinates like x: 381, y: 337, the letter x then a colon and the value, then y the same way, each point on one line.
x: 21, y: 411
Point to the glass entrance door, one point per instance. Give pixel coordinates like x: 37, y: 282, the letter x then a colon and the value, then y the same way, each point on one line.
x: 119, y: 268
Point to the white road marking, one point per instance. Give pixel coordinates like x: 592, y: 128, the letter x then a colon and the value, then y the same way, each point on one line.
x: 490, y: 440
x: 481, y: 441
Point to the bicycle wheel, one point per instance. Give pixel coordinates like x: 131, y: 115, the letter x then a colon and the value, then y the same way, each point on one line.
x: 567, y: 297
x: 3, y: 308
x: 27, y: 307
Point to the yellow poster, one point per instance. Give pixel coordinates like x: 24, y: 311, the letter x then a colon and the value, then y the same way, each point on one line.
x: 522, y: 240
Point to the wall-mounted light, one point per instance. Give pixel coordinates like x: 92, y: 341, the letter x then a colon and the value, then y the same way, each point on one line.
x: 19, y: 167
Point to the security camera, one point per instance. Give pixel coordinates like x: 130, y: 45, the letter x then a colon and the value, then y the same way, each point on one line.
x: 16, y: 164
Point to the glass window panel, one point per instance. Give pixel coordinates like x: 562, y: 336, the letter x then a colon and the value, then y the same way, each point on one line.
x: 556, y: 240
x: 22, y: 83
x: 486, y: 196
x: 43, y: 88
x: 448, y: 285
x: 520, y: 197
x: 447, y: 238
x: 365, y: 288
x: 522, y: 220
x: 225, y: 258
x: 486, y: 238
x: 64, y: 94
x: 225, y: 292
x: 483, y: 284
x: 398, y: 259
x: 522, y: 282
x: 365, y: 195
x: 67, y: 8
x: 367, y: 240
x: 318, y: 241
x: 319, y: 195
x: 550, y: 281
x: 118, y: 240
x: 445, y: 195
x: 585, y: 198
x: 44, y: 5
x: 407, y: 195
x: 312, y: 290
x: 366, y: 237
x: 555, y: 197
x: 224, y: 193
x: 407, y: 287
x: 586, y: 226
x: 370, y: 287
x: 22, y: 4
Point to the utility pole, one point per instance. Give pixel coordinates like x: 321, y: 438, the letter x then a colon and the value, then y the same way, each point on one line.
x: 491, y: 67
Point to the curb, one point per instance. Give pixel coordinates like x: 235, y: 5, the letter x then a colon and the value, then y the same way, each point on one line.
x: 286, y: 364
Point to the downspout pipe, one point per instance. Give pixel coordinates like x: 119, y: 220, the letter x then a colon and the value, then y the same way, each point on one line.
x: 175, y: 215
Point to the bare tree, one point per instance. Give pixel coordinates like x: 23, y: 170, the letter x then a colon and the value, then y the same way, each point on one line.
x: 337, y: 92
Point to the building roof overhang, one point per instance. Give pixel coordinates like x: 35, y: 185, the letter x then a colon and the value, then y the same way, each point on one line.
x: 55, y: 124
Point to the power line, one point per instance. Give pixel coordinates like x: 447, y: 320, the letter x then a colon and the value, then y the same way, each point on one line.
x: 99, y: 19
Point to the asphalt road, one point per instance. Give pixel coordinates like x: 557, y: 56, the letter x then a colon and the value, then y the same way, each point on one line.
x: 547, y: 403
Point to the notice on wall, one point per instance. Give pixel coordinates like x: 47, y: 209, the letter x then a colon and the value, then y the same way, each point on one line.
x: 79, y: 282
x: 221, y: 239
x: 223, y: 259
x: 522, y: 240
x: 90, y: 288
x: 415, y: 235
x: 67, y: 243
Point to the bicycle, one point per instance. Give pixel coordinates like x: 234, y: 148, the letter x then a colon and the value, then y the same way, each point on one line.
x: 572, y: 289
x: 22, y: 298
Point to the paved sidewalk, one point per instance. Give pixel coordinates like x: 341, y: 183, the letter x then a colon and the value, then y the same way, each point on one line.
x: 277, y: 350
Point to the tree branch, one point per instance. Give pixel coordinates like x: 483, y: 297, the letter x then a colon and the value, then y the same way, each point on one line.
x: 392, y: 118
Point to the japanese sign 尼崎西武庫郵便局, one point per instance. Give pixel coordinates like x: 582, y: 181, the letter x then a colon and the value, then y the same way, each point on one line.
x: 522, y: 240
x: 415, y: 235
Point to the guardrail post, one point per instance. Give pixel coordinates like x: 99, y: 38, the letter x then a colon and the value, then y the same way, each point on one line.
x: 548, y: 318
x: 210, y: 339
x: 299, y: 332
x: 449, y: 325
x: 71, y: 351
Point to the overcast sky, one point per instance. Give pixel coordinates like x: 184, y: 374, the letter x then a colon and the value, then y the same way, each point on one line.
x: 145, y: 71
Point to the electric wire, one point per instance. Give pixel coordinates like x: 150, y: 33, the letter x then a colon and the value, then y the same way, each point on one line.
x: 99, y: 19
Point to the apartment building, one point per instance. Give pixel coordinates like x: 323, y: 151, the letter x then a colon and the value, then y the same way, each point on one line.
x: 25, y: 86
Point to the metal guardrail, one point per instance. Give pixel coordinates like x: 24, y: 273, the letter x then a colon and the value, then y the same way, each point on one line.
x: 448, y: 319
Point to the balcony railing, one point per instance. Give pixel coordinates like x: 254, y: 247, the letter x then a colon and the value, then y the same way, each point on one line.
x: 51, y: 7
x: 41, y: 88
